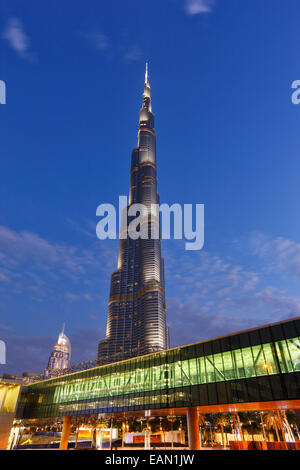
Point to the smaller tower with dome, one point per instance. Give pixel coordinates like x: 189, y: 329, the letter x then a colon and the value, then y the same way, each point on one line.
x: 61, y: 354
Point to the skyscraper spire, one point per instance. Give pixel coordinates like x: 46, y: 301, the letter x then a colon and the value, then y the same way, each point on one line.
x: 146, y: 74
x: 146, y: 116
x: 136, y: 322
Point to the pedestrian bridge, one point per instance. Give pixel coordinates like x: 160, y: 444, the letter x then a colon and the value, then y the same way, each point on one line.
x: 253, y: 369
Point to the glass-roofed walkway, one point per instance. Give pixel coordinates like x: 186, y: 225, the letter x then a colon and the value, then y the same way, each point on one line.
x: 253, y: 370
x: 258, y: 365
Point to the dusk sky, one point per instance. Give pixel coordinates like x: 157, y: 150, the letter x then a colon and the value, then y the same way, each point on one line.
x: 227, y: 137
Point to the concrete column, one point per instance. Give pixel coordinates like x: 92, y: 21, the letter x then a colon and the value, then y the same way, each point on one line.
x: 193, y: 428
x: 65, y: 433
x: 6, y: 423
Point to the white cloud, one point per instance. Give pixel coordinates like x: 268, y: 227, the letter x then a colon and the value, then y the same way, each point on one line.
x: 209, y: 295
x: 16, y: 37
x: 99, y: 40
x: 279, y: 254
x: 196, y: 7
x: 71, y: 298
x: 133, y: 53
x: 197, y: 319
x: 30, y: 262
x: 114, y: 48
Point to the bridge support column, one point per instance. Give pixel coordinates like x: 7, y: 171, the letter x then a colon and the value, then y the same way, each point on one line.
x: 65, y: 433
x: 6, y: 423
x: 193, y: 428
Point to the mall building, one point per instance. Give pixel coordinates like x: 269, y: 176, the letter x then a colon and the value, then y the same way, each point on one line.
x: 252, y: 370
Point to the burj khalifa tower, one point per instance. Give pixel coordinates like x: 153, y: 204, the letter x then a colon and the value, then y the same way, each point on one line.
x: 136, y: 322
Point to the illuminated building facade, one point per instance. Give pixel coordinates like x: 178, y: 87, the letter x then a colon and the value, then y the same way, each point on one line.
x: 256, y: 369
x: 61, y: 354
x: 9, y: 395
x: 136, y: 322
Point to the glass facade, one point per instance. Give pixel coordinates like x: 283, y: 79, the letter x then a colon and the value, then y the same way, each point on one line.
x: 183, y: 376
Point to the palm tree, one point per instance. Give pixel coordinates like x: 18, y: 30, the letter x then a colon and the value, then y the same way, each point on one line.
x: 202, y: 419
x: 250, y: 423
x: 262, y: 425
x: 75, y: 429
x: 221, y: 420
x: 271, y: 420
x: 202, y: 424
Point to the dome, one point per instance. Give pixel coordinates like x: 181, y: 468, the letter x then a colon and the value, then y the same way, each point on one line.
x: 61, y: 354
x: 63, y: 340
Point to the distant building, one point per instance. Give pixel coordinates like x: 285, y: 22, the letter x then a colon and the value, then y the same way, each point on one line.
x: 61, y: 354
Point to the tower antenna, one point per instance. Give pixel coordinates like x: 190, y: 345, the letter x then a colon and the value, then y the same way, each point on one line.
x: 146, y: 74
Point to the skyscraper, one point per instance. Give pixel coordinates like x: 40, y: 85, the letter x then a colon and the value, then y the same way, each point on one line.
x: 61, y: 354
x: 136, y: 322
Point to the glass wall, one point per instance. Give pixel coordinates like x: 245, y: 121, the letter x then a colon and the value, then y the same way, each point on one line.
x: 152, y: 376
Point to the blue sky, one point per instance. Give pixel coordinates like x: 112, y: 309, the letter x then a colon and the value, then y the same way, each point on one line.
x: 227, y: 136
